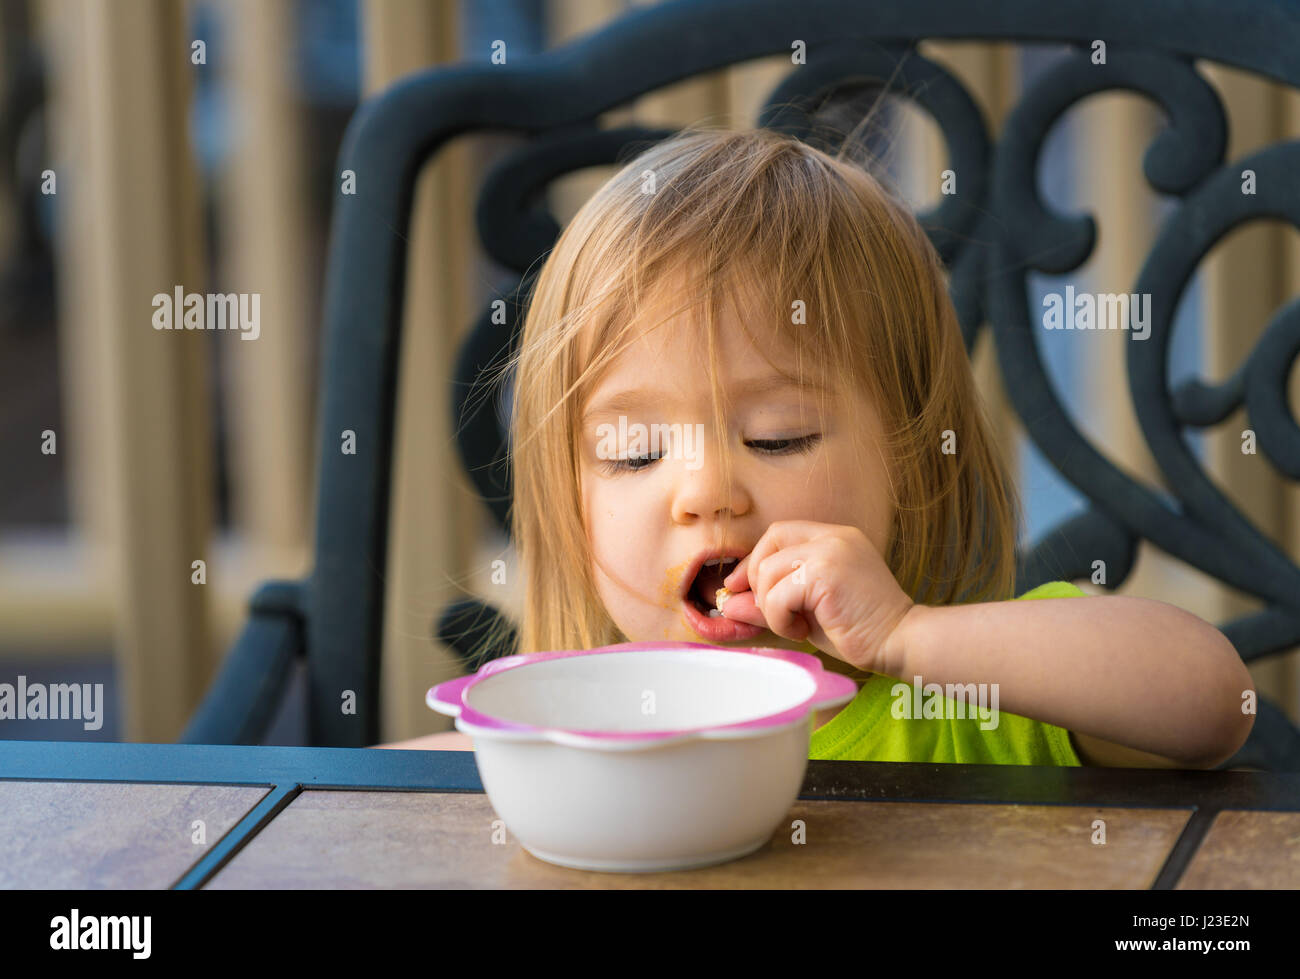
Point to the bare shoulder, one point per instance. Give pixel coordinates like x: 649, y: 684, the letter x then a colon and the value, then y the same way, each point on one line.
x: 446, y: 741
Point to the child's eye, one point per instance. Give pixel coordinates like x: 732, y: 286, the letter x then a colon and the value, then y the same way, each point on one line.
x: 778, y: 447
x: 771, y: 447
x: 630, y: 464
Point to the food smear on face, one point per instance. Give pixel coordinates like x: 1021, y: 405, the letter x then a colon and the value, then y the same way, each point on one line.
x: 674, y: 578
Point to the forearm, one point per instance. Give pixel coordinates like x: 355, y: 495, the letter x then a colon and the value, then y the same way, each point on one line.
x: 1132, y: 671
x: 444, y: 741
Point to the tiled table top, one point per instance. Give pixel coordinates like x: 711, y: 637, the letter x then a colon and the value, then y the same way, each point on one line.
x: 112, y: 834
x: 79, y: 815
x: 347, y: 839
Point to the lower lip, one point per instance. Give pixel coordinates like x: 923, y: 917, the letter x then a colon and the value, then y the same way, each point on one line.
x: 719, y: 629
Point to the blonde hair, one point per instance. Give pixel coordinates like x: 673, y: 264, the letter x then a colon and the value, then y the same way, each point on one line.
x: 762, y: 220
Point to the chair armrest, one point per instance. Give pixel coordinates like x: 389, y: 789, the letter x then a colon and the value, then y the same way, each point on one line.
x: 1273, y: 744
x: 242, y: 702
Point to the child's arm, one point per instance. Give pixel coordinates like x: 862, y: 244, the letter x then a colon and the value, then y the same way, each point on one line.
x: 1137, y: 682
x: 446, y: 741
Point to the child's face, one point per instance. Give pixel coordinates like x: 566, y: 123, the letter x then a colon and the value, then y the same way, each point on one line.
x: 646, y: 525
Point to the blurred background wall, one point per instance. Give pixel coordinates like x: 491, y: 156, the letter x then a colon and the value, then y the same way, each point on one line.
x: 194, y: 143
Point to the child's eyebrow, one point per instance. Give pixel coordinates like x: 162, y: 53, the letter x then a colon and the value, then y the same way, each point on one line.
x: 750, y: 389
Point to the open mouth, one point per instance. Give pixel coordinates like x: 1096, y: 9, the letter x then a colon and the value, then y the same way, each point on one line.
x: 703, y: 592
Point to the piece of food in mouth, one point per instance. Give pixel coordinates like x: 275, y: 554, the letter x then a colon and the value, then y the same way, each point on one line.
x: 720, y: 598
x: 707, y: 585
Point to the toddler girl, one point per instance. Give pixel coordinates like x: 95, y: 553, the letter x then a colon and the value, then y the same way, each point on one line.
x: 741, y: 370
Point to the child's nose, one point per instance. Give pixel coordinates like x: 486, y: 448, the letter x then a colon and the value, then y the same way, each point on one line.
x: 699, y: 491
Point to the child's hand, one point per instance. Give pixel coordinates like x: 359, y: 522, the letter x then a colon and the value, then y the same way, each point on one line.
x: 821, y: 582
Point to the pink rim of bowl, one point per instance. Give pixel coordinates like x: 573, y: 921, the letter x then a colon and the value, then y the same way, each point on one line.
x: 451, y: 697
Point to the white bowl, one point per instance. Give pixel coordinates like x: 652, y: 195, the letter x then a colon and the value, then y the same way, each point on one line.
x: 642, y: 756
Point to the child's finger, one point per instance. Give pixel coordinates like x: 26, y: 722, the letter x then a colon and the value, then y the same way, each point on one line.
x: 741, y: 607
x: 779, y: 535
x: 784, y: 609
x: 738, y: 580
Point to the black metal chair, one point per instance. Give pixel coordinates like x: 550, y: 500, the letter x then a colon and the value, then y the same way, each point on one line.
x: 993, y: 236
